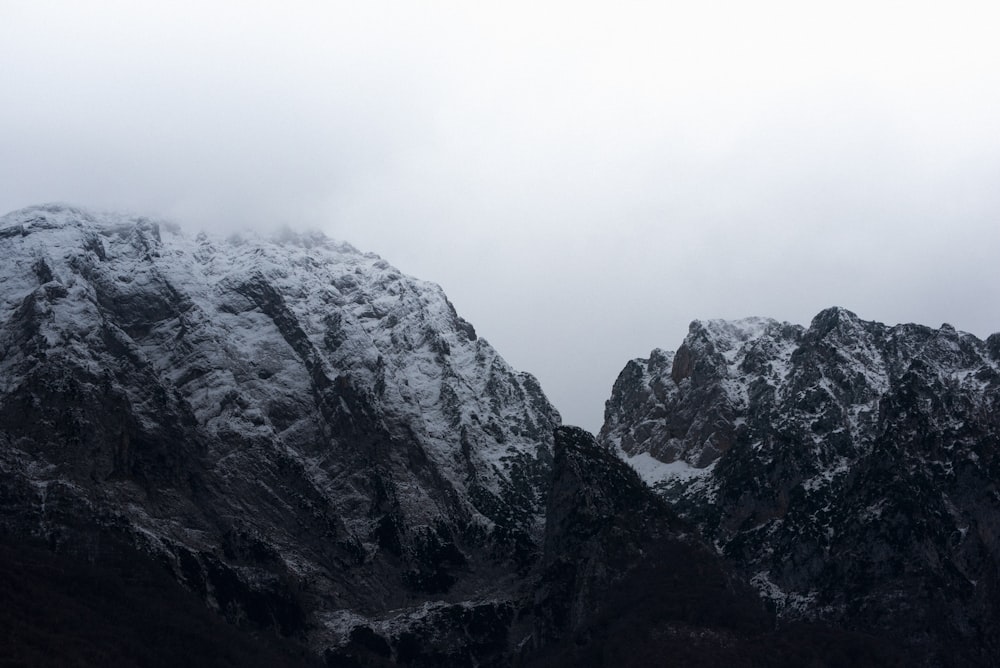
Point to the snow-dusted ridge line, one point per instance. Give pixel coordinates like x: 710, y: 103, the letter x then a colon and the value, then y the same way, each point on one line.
x: 756, y: 352
x: 395, y: 325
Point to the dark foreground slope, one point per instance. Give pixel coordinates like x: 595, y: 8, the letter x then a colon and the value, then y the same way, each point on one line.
x: 849, y: 469
x: 625, y: 582
x: 125, y: 611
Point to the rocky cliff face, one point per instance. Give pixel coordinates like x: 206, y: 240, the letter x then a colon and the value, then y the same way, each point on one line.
x: 306, y: 438
x: 849, y: 468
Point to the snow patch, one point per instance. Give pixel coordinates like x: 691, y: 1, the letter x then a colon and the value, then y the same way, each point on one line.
x: 653, y: 471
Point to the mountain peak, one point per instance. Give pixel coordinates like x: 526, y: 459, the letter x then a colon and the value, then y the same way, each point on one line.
x: 810, y: 455
x: 834, y: 318
x: 286, y: 402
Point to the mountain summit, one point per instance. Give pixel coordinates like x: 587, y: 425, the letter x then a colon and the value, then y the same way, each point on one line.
x: 289, y: 424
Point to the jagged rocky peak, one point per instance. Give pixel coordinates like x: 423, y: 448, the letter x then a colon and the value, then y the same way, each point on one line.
x: 266, y: 413
x: 655, y: 405
x: 847, y: 467
x: 711, y: 343
x: 658, y: 405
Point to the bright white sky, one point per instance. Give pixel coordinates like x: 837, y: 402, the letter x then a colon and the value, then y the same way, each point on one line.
x: 583, y: 179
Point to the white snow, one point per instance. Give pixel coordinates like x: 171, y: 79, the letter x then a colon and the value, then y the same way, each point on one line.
x: 653, y: 471
x: 786, y: 602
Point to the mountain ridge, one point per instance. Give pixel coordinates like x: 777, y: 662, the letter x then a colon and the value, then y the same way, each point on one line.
x: 845, y: 467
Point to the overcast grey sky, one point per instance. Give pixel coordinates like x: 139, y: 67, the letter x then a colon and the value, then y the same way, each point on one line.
x: 582, y: 178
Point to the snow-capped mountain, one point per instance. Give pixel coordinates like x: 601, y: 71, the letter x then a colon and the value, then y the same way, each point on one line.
x: 282, y: 451
x: 306, y: 436
x: 849, y: 468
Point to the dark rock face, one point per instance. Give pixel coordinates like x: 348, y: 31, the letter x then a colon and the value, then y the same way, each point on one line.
x: 600, y: 515
x: 849, y: 468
